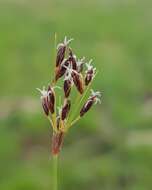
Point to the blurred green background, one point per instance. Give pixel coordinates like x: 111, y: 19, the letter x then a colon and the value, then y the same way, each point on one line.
x: 111, y: 148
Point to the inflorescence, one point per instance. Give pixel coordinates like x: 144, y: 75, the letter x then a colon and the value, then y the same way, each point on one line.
x: 75, y: 72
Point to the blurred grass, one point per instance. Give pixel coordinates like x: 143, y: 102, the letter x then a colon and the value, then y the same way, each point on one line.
x: 103, y: 150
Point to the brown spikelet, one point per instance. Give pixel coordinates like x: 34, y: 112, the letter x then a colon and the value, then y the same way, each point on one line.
x: 45, y: 106
x: 51, y: 99
x: 88, y: 77
x: 65, y: 110
x: 67, y: 88
x: 72, y: 60
x: 60, y: 55
x: 78, y: 81
x: 60, y: 70
x: 86, y: 107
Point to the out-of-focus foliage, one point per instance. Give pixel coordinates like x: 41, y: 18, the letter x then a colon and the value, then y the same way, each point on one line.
x: 111, y: 147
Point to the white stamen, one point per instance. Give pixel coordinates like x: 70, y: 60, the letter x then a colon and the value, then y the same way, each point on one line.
x: 63, y: 62
x: 79, y: 63
x: 97, y: 96
x: 65, y: 42
x: 44, y: 93
x: 68, y: 73
x: 74, y: 56
x: 89, y: 66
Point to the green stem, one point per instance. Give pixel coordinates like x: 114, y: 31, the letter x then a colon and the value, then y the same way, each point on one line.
x: 55, y: 172
x: 77, y: 119
x: 54, y: 55
x: 72, y: 123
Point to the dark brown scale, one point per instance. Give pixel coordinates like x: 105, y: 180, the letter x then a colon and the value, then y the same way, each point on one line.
x: 45, y: 106
x: 67, y: 88
x: 57, y: 141
x: 78, y: 82
x: 65, y: 110
x: 50, y: 100
x: 72, y: 60
x: 60, y: 55
x: 86, y: 107
x: 60, y: 71
x: 88, y: 77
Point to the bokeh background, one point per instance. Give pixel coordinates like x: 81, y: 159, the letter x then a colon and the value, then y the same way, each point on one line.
x: 111, y: 148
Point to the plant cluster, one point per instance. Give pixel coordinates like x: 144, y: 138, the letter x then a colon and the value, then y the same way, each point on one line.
x: 74, y: 73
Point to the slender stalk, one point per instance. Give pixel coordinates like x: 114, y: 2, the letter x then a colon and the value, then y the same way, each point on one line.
x: 55, y: 172
x: 72, y: 123
x: 55, y: 157
x: 54, y: 56
x: 77, y: 119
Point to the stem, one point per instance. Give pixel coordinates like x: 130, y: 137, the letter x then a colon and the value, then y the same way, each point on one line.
x: 77, y: 119
x: 54, y: 56
x: 49, y: 118
x: 73, y: 122
x: 55, y: 172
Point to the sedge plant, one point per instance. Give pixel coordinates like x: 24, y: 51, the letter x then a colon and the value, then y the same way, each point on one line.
x: 61, y: 108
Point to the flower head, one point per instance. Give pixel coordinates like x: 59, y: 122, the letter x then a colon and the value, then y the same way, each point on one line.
x: 69, y: 72
x: 71, y: 69
x: 65, y: 109
x: 51, y: 99
x: 61, y: 49
x: 90, y: 73
x: 61, y: 69
x: 67, y: 87
x: 44, y: 95
x: 93, y: 99
x: 72, y: 59
x: 74, y: 77
x: 48, y: 98
x: 78, y: 81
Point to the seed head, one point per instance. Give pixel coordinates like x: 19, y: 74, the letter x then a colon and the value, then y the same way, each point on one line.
x: 51, y: 99
x: 67, y: 88
x: 70, y: 68
x: 60, y: 70
x: 44, y: 95
x: 61, y: 49
x: 72, y: 59
x: 93, y: 99
x: 90, y: 72
x: 65, y: 110
x: 78, y: 81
